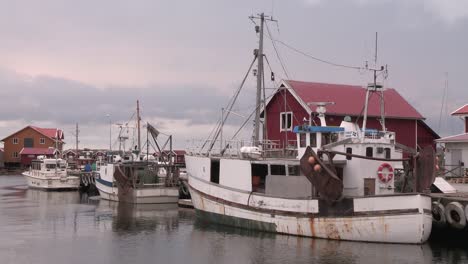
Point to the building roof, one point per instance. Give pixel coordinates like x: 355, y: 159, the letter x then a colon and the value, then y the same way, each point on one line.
x: 176, y: 151
x: 456, y: 138
x: 51, y: 133
x: 462, y: 111
x: 349, y: 99
x: 37, y: 151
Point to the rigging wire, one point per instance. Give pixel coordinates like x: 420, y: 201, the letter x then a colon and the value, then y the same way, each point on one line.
x: 276, y: 51
x: 229, y: 108
x: 316, y: 58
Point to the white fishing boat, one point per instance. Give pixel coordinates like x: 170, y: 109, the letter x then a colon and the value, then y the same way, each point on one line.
x: 135, y: 182
x: 50, y: 174
x: 339, y: 185
x: 132, y: 179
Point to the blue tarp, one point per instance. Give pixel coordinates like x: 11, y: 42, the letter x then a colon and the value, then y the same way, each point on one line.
x: 315, y: 129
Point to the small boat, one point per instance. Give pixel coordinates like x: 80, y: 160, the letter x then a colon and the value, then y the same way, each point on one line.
x: 50, y: 174
x: 135, y: 182
x: 339, y: 184
x: 136, y: 178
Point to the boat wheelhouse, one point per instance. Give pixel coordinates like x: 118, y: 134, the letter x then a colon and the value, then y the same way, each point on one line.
x: 50, y: 174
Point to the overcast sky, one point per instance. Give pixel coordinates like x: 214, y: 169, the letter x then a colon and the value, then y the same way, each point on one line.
x: 64, y: 62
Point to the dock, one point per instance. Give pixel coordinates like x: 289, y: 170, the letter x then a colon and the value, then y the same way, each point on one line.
x: 185, y: 203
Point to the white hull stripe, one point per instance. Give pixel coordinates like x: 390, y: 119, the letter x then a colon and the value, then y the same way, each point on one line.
x: 348, y: 213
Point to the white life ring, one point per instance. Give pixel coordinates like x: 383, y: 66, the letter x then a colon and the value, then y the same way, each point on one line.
x: 385, y: 176
x: 438, y: 214
x: 455, y: 215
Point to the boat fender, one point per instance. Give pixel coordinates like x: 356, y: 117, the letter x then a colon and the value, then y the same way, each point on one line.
x: 466, y: 212
x: 438, y: 214
x: 184, y: 190
x: 385, y: 177
x: 455, y: 215
x: 84, y: 180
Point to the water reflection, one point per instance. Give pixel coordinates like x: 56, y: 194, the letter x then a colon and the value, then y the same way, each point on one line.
x: 268, y: 247
x: 66, y: 227
x: 134, y: 218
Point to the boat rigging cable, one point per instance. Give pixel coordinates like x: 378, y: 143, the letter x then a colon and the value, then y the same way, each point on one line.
x: 315, y: 58
x: 229, y: 108
x: 276, y: 51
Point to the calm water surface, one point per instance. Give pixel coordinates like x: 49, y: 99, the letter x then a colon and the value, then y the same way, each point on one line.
x: 64, y: 227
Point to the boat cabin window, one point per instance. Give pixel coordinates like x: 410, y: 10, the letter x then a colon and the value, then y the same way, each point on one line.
x: 313, y: 140
x: 214, y: 177
x: 302, y: 140
x: 369, y: 152
x: 349, y: 151
x: 50, y: 166
x: 277, y: 170
x: 36, y: 166
x: 387, y: 153
x: 259, y: 173
x: 328, y: 138
x: 293, y: 170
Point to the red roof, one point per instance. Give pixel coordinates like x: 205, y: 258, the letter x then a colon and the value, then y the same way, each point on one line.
x: 37, y: 151
x: 48, y: 132
x: 456, y: 138
x: 461, y: 111
x: 349, y: 99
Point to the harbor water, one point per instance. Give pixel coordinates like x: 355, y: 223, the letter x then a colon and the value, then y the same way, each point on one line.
x: 66, y: 227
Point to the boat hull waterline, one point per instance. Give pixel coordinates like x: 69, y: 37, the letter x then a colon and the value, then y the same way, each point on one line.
x: 387, y: 219
x: 158, y: 195
x: 52, y: 183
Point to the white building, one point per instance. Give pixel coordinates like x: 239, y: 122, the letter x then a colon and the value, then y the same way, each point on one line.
x: 456, y: 147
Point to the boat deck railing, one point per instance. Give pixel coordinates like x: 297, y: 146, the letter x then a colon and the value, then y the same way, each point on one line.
x: 234, y: 149
x: 373, y: 135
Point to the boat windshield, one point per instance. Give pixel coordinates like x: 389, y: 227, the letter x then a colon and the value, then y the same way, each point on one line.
x: 50, y: 166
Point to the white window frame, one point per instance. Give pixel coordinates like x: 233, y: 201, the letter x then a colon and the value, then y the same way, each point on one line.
x: 283, y: 128
x: 42, y: 141
x: 15, y: 141
x: 15, y: 154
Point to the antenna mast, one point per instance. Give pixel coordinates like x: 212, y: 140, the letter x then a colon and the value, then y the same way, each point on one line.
x: 76, y: 138
x: 138, y: 125
x: 260, y: 74
x: 373, y: 88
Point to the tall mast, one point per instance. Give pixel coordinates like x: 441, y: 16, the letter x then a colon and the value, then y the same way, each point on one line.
x: 259, y: 80
x: 373, y: 88
x: 76, y: 138
x: 138, y: 125
x: 382, y: 102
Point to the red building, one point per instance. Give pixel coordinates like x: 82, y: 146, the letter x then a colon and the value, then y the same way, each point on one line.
x: 178, y: 154
x: 30, y: 154
x: 30, y: 137
x: 291, y: 106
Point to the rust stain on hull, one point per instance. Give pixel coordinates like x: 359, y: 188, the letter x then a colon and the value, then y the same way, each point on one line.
x: 312, y: 226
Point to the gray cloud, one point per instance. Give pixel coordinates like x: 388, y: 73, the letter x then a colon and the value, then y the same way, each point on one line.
x: 76, y: 61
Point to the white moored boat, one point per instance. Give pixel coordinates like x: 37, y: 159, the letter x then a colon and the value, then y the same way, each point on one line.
x: 339, y: 184
x: 50, y: 174
x: 136, y: 180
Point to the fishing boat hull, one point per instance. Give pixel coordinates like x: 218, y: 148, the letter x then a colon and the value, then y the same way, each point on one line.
x: 52, y: 182
x: 158, y: 195
x: 404, y: 218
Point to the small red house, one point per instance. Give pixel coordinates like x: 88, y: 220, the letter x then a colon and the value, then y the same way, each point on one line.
x: 30, y: 154
x: 178, y: 154
x: 292, y: 105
